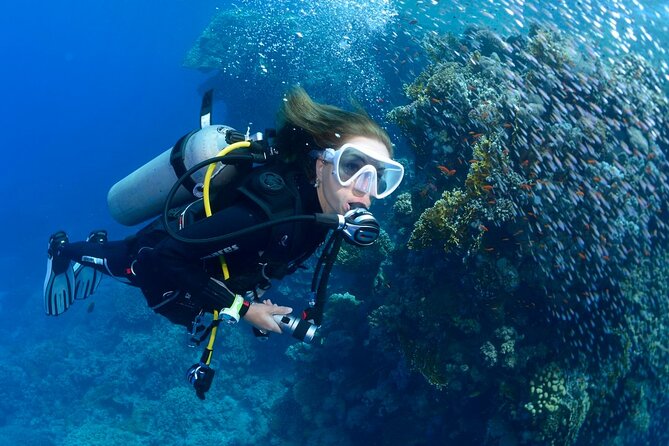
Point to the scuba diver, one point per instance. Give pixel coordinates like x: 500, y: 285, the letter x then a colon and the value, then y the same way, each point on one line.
x: 263, y: 207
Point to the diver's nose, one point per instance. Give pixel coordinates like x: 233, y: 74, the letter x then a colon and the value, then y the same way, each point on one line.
x: 363, y: 184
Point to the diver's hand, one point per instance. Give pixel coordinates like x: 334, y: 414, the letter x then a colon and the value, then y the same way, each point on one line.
x: 260, y: 315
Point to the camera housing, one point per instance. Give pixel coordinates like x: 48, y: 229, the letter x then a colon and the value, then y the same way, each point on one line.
x: 297, y: 327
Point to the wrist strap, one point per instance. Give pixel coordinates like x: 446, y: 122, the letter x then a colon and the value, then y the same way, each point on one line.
x: 245, y: 308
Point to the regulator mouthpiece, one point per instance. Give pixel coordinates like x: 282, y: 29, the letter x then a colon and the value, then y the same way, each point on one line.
x: 361, y: 228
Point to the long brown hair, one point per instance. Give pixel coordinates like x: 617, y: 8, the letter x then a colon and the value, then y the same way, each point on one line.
x: 306, y: 125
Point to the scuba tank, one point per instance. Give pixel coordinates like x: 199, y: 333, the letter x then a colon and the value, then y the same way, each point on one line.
x: 141, y: 195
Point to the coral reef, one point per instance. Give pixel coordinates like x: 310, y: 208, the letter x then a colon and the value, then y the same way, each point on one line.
x: 122, y: 382
x: 345, y: 382
x: 458, y: 217
x: 545, y: 201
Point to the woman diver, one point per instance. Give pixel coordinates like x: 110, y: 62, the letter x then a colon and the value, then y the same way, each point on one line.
x: 325, y: 162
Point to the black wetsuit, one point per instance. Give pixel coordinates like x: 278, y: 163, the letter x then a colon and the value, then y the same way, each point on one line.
x: 176, y: 277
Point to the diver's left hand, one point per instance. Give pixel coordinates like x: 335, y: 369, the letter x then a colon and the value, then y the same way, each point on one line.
x: 260, y: 315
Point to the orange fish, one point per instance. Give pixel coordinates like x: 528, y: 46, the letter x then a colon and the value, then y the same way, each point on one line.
x: 446, y: 171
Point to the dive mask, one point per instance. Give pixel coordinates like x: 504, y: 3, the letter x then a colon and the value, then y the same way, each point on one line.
x: 369, y: 172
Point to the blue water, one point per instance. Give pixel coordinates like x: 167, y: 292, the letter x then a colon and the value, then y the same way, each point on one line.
x: 91, y: 90
x: 88, y: 90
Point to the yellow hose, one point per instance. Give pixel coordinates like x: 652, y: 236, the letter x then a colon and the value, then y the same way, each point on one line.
x: 212, y: 339
x: 207, y: 187
x: 208, y: 213
x: 210, y: 172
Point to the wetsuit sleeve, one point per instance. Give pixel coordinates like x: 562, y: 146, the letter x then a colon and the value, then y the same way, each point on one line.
x: 180, y: 265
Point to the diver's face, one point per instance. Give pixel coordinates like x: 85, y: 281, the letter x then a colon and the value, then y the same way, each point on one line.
x: 335, y: 198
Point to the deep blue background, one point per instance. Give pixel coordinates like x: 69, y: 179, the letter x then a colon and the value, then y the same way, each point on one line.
x: 89, y: 91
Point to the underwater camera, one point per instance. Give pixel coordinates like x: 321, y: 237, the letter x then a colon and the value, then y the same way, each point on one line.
x: 299, y: 328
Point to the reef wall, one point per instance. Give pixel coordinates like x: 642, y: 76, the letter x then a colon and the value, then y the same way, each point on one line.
x: 527, y: 281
